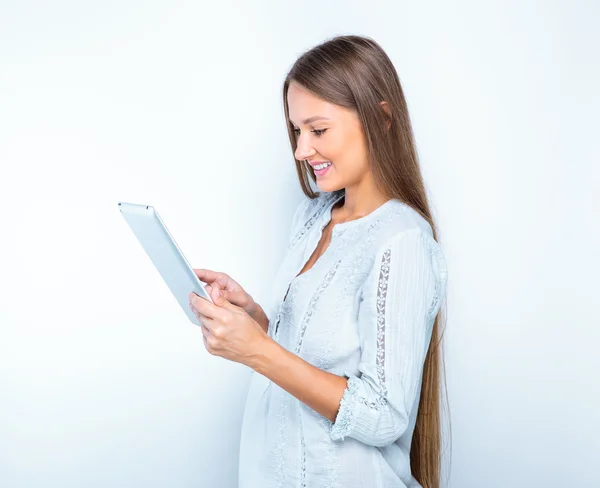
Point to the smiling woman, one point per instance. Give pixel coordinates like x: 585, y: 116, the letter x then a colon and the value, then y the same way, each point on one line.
x: 333, y: 136
x: 346, y: 388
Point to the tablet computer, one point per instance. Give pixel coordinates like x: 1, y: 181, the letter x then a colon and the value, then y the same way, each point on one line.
x: 153, y: 235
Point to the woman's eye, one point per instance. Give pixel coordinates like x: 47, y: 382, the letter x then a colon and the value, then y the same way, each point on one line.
x: 318, y: 133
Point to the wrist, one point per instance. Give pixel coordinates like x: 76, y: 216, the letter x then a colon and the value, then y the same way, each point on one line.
x: 253, y: 309
x: 265, y: 355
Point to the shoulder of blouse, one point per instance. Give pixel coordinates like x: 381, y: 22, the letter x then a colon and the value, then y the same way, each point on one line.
x: 403, y: 222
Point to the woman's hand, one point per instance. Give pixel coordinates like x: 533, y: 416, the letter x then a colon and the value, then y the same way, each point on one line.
x: 233, y: 293
x: 231, y: 289
x: 228, y: 330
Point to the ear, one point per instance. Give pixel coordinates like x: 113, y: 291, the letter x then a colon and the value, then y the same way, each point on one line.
x: 387, y: 110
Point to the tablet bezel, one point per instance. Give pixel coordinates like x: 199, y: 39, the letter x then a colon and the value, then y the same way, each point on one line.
x: 162, y: 249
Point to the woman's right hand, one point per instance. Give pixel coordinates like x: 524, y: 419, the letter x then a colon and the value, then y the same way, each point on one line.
x: 231, y: 290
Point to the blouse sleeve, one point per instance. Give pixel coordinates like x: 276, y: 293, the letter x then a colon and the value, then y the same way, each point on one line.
x: 399, y: 301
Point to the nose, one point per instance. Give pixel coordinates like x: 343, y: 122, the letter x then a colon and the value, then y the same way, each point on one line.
x: 304, y: 150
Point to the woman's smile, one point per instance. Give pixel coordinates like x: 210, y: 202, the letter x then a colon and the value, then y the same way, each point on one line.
x: 324, y: 168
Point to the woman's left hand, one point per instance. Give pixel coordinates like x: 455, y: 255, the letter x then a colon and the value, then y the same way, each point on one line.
x: 228, y: 330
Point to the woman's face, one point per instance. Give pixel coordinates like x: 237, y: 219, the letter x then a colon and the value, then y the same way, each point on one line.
x: 328, y: 133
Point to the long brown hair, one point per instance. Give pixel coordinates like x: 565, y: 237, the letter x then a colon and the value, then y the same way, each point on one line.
x: 354, y: 72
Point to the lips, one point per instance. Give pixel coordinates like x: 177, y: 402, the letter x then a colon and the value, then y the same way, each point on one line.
x: 322, y: 172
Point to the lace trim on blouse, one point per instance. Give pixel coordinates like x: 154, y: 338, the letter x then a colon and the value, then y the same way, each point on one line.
x: 344, y: 424
x: 315, y: 216
x: 384, y: 275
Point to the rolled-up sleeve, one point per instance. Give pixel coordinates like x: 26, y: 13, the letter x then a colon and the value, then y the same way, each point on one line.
x: 398, y: 304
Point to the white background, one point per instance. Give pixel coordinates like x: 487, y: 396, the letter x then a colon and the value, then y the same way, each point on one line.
x: 104, y: 382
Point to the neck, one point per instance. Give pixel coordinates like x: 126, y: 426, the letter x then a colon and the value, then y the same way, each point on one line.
x: 358, y: 203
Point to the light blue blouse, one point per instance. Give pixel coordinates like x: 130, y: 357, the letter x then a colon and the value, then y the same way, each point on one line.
x: 365, y: 310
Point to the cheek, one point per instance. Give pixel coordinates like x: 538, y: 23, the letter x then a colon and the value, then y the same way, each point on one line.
x: 333, y: 148
x: 348, y: 153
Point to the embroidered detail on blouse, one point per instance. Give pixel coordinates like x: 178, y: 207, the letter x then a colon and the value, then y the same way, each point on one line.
x: 381, y: 401
x: 284, y: 307
x: 313, y: 303
x: 381, y: 299
x: 281, y: 438
x: 325, y: 359
x: 302, y: 448
x: 331, y: 461
x: 436, y: 297
x: 322, y: 206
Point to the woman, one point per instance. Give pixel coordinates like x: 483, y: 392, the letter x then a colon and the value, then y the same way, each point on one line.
x: 346, y: 383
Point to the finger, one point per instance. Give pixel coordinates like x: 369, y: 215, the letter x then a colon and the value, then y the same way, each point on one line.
x: 214, y: 291
x: 206, y: 330
x: 208, y: 325
x: 214, y: 277
x: 209, y: 309
x: 240, y: 297
x: 197, y: 314
x: 205, y: 275
x: 214, y: 287
x: 207, y: 345
x: 203, y: 319
x: 197, y: 302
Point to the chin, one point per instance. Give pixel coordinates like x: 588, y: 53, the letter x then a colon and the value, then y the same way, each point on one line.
x: 325, y: 186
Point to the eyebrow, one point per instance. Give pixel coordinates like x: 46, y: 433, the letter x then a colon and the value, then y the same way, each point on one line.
x: 312, y: 119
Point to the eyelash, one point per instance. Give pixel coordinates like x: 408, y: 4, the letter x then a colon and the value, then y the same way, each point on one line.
x: 318, y: 133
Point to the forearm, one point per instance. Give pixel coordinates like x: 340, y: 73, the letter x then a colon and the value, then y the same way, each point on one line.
x: 316, y: 388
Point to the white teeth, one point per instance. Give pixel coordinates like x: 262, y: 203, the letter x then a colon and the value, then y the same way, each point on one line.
x: 322, y: 166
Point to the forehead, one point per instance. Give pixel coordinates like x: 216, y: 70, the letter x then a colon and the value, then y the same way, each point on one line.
x: 302, y: 104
